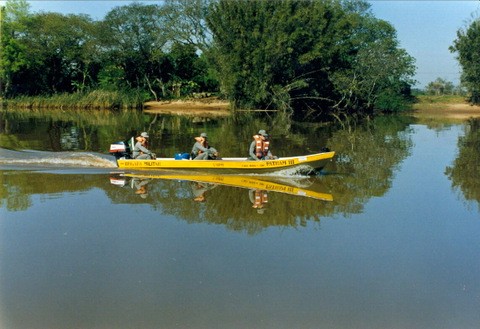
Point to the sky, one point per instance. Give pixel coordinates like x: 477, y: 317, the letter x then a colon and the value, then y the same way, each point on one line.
x: 425, y: 29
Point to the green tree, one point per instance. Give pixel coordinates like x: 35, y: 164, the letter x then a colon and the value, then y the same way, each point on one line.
x: 467, y: 46
x: 250, y: 48
x: 378, y: 74
x: 134, y: 40
x: 13, y: 19
x: 189, y: 70
x: 47, y: 53
x: 185, y: 22
x: 307, y: 55
x: 440, y: 87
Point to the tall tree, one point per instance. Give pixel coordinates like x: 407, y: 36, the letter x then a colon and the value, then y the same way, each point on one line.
x: 378, y: 74
x: 13, y: 19
x: 305, y: 54
x: 185, y: 22
x: 188, y: 69
x: 135, y: 41
x: 44, y: 53
x: 59, y: 52
x: 467, y: 47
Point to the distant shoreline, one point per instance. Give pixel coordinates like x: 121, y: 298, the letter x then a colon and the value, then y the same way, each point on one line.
x: 455, y: 108
x: 427, y: 107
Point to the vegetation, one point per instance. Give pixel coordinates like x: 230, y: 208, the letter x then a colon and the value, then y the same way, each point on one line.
x: 440, y: 99
x: 309, y: 58
x: 126, y: 57
x: 467, y: 47
x: 313, y: 56
x: 441, y: 87
x: 95, y: 99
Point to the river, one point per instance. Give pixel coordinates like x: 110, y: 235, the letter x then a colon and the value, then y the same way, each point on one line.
x: 386, y: 236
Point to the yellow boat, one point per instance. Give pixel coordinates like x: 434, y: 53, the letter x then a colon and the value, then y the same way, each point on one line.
x: 246, y: 182
x: 304, y: 163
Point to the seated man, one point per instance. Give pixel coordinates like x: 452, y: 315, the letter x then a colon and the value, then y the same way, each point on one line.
x: 140, y: 150
x: 260, y: 147
x: 201, y: 150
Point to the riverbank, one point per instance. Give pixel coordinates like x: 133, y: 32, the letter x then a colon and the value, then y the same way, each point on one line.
x: 445, y: 107
x: 448, y: 107
x: 93, y: 100
x: 190, y: 107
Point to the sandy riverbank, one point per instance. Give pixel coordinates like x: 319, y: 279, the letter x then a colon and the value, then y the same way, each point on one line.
x: 200, y: 107
x: 454, y: 111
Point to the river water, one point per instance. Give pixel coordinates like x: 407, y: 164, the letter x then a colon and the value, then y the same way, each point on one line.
x: 386, y: 236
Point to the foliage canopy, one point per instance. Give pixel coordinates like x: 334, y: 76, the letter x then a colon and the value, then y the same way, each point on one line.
x: 317, y: 57
x: 309, y: 55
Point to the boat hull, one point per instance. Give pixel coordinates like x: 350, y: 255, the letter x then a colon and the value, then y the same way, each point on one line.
x: 304, y: 163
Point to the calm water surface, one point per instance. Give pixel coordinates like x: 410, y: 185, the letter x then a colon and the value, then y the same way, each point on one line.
x: 389, y: 236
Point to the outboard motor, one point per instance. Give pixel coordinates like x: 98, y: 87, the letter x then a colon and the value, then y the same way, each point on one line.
x: 120, y: 150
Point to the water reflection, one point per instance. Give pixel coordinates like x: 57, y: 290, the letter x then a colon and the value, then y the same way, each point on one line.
x: 368, y: 156
x: 199, y: 189
x: 376, y: 233
x: 465, y: 171
x: 237, y: 202
x: 229, y: 200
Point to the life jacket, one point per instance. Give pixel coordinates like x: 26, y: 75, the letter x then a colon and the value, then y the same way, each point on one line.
x: 261, y: 146
x: 261, y: 197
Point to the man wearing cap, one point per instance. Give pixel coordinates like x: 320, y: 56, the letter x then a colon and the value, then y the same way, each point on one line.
x: 140, y: 150
x: 201, y: 150
x: 260, y: 147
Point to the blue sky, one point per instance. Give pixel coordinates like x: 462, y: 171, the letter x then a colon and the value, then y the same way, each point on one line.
x: 425, y: 28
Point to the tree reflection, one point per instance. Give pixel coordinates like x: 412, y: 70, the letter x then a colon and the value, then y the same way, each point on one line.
x: 231, y: 205
x: 18, y: 187
x: 465, y: 172
x: 367, y: 155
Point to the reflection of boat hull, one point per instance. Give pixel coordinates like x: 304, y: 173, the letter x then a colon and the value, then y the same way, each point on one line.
x: 306, y: 163
x: 243, y: 182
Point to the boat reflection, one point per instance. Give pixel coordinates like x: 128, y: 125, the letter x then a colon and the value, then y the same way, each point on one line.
x: 258, y: 186
x: 240, y: 203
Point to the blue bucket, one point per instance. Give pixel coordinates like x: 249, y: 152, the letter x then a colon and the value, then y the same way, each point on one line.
x: 182, y: 156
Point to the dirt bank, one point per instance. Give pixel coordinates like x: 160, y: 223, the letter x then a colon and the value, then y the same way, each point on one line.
x: 205, y: 106
x: 455, y: 111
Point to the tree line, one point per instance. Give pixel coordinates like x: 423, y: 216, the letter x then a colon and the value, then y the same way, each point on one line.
x: 442, y: 87
x: 307, y: 57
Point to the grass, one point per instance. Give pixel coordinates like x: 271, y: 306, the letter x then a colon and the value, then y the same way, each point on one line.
x: 441, y: 99
x: 96, y: 99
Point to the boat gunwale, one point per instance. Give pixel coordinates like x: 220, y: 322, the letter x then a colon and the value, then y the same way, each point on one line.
x: 311, y: 162
x: 241, y: 159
